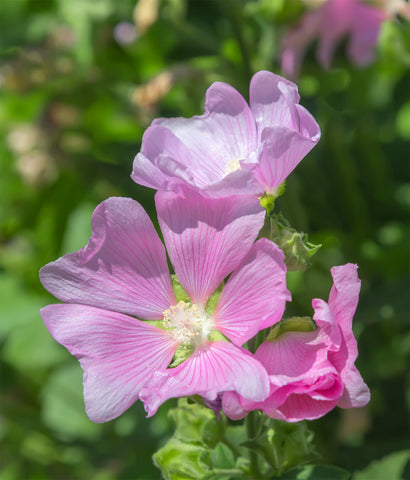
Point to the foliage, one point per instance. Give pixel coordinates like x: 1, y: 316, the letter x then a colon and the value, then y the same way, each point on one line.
x: 78, y: 86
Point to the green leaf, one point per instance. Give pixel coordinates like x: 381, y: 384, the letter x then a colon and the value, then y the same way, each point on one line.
x: 223, y: 457
x: 390, y: 467
x: 196, y: 450
x: 317, y: 472
x: 283, y: 445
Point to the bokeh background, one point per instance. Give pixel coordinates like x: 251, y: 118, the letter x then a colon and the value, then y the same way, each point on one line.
x: 80, y: 80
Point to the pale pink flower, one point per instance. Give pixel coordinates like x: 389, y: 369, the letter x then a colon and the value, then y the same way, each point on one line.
x: 121, y: 278
x: 233, y: 148
x: 312, y: 372
x: 333, y: 21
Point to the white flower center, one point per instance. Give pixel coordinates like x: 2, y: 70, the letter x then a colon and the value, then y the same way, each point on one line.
x: 232, y: 166
x: 188, y: 324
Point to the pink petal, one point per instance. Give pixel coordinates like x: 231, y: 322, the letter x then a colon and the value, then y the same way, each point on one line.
x: 144, y: 172
x: 123, y: 267
x: 273, y: 100
x: 293, y: 356
x: 302, y: 407
x: 255, y: 294
x: 231, y: 406
x: 336, y: 318
x: 365, y: 29
x: 344, y: 295
x: 225, y: 132
x: 214, y: 368
x: 337, y: 16
x: 206, y: 238
x: 283, y: 149
x: 119, y: 354
x: 238, y: 182
x: 356, y: 393
x: 296, y: 41
x: 206, y: 143
x: 164, y: 157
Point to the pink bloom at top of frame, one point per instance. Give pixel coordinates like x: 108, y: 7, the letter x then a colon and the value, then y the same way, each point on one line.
x: 312, y: 372
x: 121, y: 279
x: 330, y: 23
x: 233, y: 148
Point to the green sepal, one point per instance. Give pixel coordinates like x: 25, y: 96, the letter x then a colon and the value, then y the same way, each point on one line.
x: 182, y: 353
x: 156, y: 323
x: 267, y: 201
x: 295, y: 245
x: 213, y: 300
x: 180, y: 293
x: 283, y: 445
x: 293, y: 324
x: 216, y: 335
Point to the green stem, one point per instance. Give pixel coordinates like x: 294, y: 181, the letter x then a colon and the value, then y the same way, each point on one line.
x: 251, y: 427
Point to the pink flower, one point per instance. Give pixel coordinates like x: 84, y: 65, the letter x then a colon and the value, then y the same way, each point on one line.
x: 330, y: 23
x: 232, y: 148
x: 121, y: 279
x: 312, y: 372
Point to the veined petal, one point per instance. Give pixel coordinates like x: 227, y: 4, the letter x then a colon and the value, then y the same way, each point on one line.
x: 119, y: 354
x: 226, y: 131
x: 344, y: 295
x: 144, y: 172
x: 254, y: 296
x: 231, y: 406
x: 283, y: 149
x: 206, y: 238
x: 356, y: 393
x: 336, y: 318
x: 272, y: 100
x: 300, y: 407
x: 123, y: 267
x: 213, y: 368
x: 166, y: 154
x: 293, y: 356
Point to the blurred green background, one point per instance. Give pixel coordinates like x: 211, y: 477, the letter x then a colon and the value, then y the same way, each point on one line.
x: 80, y: 80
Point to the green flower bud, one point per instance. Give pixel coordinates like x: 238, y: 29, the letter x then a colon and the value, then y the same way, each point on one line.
x: 294, y: 244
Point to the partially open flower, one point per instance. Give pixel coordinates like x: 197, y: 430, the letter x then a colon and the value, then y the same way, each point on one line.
x: 233, y: 148
x: 311, y: 370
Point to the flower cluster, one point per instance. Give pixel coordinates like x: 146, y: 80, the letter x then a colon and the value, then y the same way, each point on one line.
x: 144, y: 333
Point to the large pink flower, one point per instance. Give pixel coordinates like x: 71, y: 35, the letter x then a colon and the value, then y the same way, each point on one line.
x: 330, y: 23
x: 312, y: 372
x: 121, y: 278
x: 233, y: 148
